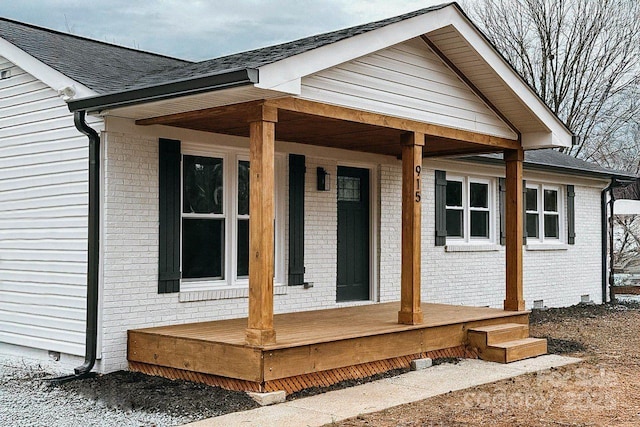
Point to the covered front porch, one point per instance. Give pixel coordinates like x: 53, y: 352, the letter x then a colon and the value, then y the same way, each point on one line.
x: 316, y: 348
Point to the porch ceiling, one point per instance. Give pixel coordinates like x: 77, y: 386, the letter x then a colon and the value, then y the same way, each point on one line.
x: 304, y: 128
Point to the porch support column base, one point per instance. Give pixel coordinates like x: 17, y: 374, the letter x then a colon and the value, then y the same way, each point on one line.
x: 517, y: 305
x: 410, y: 306
x: 260, y: 337
x: 409, y: 318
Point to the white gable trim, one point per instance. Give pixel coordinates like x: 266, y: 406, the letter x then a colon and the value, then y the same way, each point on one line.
x: 285, y: 74
x: 38, y: 69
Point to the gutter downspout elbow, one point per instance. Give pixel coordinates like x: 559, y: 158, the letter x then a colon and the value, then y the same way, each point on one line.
x: 93, y: 253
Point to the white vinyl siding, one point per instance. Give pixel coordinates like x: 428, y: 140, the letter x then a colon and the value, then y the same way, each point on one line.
x: 407, y: 80
x: 43, y: 217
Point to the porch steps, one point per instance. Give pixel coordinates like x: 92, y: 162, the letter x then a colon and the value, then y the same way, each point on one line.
x: 505, y: 343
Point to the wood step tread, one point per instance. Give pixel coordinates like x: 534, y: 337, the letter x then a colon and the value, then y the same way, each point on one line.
x: 514, y: 350
x: 495, y: 328
x: 519, y: 343
x: 494, y: 334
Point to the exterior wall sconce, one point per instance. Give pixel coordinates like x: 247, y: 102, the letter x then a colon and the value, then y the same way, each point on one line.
x: 323, y: 180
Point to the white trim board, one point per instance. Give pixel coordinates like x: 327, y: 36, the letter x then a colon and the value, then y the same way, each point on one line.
x: 52, y: 78
x: 626, y: 207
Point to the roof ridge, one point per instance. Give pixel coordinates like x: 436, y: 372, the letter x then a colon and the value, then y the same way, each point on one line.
x: 391, y: 19
x: 51, y: 30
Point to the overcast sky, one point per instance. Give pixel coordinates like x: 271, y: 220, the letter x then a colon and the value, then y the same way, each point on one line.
x: 202, y: 29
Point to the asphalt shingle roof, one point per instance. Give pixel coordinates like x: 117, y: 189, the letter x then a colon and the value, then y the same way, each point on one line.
x: 550, y: 158
x: 107, y: 68
x: 102, y: 67
x: 260, y: 57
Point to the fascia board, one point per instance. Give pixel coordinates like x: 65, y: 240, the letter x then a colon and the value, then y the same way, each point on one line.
x: 41, y: 71
x: 533, y: 140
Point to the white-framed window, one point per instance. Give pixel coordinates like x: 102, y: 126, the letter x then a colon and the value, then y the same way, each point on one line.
x: 470, y: 209
x: 215, y: 220
x: 544, y: 215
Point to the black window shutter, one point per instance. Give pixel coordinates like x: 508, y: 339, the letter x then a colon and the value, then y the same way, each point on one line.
x: 296, y: 219
x: 169, y: 221
x: 502, y: 188
x: 571, y: 215
x: 441, y: 208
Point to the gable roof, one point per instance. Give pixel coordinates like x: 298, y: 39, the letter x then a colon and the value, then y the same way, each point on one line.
x: 116, y: 68
x: 102, y: 67
x: 125, y: 77
x: 555, y: 161
x: 256, y: 58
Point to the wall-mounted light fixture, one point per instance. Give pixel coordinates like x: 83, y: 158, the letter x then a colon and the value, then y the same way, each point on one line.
x: 323, y: 180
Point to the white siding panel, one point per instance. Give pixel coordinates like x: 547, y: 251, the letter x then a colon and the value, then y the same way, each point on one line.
x: 70, y: 279
x: 69, y: 291
x: 43, y: 217
x: 24, y: 88
x: 45, y: 310
x: 39, y: 181
x: 65, y: 244
x: 29, y: 341
x: 24, y: 106
x: 34, y: 95
x: 42, y: 169
x: 409, y: 81
x: 42, y: 321
x: 50, y: 212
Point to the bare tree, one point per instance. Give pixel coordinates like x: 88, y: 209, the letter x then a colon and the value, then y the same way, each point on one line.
x: 583, y: 58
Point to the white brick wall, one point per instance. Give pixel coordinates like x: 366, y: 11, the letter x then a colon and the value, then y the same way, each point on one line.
x: 130, y: 299
x: 557, y: 277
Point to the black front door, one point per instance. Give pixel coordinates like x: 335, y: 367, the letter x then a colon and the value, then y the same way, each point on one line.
x: 353, y: 234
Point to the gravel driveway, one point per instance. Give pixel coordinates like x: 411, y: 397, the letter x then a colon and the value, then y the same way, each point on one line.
x: 117, y: 399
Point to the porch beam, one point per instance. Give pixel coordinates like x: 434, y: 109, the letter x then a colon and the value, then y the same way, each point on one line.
x: 207, y: 113
x: 514, y: 300
x: 410, y: 309
x: 377, y: 119
x: 438, y: 151
x: 262, y: 121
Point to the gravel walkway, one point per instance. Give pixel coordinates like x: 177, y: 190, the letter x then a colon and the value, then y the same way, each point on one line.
x: 117, y: 399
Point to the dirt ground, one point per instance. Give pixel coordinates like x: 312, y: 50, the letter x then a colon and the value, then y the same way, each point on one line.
x: 603, y: 390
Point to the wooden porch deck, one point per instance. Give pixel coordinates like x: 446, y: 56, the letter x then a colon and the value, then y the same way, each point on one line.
x: 313, y: 348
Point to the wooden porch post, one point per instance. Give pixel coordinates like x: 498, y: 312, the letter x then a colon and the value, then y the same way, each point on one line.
x: 410, y: 310
x: 514, y: 230
x: 262, y: 121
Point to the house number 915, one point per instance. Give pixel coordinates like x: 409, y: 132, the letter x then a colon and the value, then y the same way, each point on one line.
x: 418, y: 170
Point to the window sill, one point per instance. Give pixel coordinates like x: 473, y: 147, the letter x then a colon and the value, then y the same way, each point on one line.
x: 547, y: 247
x: 226, y: 293
x: 462, y: 247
